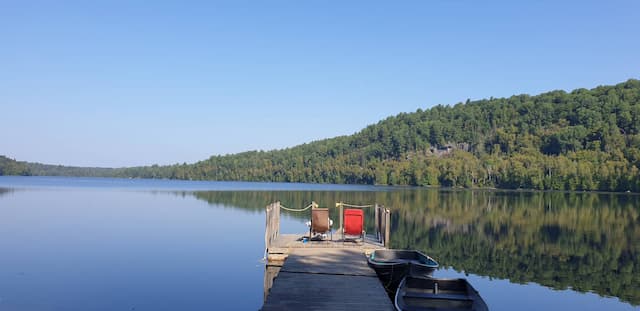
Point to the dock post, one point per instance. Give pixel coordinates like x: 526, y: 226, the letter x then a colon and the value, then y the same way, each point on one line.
x: 382, y: 224
x: 339, y: 204
x: 272, y: 227
x: 387, y: 226
x: 377, y: 222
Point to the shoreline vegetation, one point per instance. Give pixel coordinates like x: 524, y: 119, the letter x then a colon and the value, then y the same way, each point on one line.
x: 583, y: 140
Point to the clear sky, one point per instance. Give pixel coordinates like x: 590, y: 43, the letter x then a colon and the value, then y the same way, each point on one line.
x: 123, y: 83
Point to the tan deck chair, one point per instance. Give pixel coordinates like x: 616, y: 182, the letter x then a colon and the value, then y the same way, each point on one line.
x: 320, y: 222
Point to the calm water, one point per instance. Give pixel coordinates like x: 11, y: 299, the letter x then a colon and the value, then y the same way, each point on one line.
x: 113, y: 244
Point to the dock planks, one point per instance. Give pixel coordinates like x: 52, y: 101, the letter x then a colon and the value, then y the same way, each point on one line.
x: 323, y: 275
x: 327, y: 278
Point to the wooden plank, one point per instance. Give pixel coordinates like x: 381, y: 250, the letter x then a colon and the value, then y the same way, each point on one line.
x: 328, y: 261
x: 326, y: 279
x: 289, y: 241
x: 320, y: 275
x: 270, y: 273
x: 272, y: 226
x: 387, y: 226
x: 276, y: 258
x: 376, y: 221
x: 303, y: 291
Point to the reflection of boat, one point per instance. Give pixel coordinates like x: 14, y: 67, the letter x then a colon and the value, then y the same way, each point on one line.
x: 392, y: 265
x: 424, y: 293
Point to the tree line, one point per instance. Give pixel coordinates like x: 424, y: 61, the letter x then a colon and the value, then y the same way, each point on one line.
x: 578, y: 140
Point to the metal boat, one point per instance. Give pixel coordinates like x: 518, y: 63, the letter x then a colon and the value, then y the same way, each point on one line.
x: 393, y: 265
x: 425, y: 293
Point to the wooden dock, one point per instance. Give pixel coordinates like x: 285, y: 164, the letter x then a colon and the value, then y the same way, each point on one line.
x: 322, y: 275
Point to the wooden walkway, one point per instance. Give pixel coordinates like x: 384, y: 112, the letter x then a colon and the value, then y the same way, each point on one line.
x: 326, y: 279
x: 322, y: 275
x: 283, y: 244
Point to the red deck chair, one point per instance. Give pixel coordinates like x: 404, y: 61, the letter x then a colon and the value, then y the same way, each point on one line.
x: 353, y: 224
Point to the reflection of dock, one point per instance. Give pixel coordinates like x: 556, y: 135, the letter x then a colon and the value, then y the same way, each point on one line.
x: 323, y: 275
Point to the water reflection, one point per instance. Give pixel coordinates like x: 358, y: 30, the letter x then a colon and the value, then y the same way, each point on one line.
x: 142, y: 244
x: 582, y: 241
x: 6, y: 191
x: 588, y: 242
x: 88, y: 249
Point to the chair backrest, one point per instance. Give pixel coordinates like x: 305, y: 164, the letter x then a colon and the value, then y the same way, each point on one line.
x: 320, y: 220
x: 353, y: 221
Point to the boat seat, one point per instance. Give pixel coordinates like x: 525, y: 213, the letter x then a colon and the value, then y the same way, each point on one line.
x: 459, y: 297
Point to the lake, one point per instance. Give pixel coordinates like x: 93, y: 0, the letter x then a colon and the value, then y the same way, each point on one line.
x: 121, y: 244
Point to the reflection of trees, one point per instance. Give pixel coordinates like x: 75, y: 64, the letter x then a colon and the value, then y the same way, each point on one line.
x: 257, y: 200
x: 583, y: 241
x: 589, y: 242
x: 5, y: 191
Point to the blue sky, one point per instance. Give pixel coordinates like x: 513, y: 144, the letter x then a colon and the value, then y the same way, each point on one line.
x: 110, y: 83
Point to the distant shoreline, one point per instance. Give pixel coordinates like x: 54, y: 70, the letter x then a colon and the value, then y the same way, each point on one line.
x: 284, y: 186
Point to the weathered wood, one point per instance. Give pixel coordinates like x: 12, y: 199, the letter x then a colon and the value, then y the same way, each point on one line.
x: 286, y: 242
x: 299, y: 291
x: 339, y: 261
x: 376, y: 221
x: 326, y: 279
x: 383, y: 224
x: 276, y: 257
x: 322, y: 275
x: 270, y: 273
x: 387, y: 227
x: 272, y: 226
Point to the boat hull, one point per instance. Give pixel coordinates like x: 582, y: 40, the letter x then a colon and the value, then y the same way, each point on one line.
x: 392, y: 266
x: 423, y: 293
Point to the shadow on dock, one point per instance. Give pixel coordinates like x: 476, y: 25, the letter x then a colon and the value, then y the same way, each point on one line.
x: 322, y: 275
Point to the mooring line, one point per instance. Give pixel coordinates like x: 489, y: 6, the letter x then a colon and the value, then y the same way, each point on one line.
x: 294, y: 209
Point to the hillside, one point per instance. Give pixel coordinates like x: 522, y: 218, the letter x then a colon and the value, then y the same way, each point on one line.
x: 13, y: 167
x: 582, y: 140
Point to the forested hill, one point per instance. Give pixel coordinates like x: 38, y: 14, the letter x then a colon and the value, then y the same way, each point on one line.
x: 582, y: 140
x: 12, y: 167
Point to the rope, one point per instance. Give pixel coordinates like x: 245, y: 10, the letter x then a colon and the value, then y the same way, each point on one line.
x: 294, y: 209
x: 357, y: 206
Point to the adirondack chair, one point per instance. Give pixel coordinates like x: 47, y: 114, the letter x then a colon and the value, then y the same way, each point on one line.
x: 353, y: 225
x: 320, y: 222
